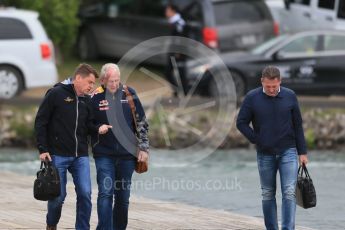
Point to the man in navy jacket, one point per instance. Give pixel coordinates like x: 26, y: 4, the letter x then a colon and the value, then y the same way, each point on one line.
x: 115, y: 151
x: 278, y: 135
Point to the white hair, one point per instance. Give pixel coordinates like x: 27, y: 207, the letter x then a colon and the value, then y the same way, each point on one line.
x: 105, y: 69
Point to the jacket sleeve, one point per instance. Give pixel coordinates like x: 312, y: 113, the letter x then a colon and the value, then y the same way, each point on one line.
x: 43, y: 117
x: 143, y: 126
x: 298, y: 128
x: 245, y: 116
x: 92, y: 124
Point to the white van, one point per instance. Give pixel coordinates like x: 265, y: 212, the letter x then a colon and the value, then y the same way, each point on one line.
x: 301, y: 15
x: 26, y: 53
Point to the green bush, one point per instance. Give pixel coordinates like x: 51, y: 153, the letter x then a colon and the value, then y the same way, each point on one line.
x: 24, y: 131
x: 310, y: 138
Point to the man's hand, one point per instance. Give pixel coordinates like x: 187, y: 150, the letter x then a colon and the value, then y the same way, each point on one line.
x: 44, y: 156
x: 104, y: 129
x: 143, y: 156
x: 303, y: 159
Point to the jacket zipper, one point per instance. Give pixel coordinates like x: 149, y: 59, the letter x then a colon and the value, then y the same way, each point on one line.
x: 76, y: 126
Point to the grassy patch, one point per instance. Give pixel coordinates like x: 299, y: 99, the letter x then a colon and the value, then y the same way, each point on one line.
x: 66, y: 69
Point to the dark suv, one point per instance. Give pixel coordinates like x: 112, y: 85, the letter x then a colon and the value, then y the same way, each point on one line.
x: 111, y: 28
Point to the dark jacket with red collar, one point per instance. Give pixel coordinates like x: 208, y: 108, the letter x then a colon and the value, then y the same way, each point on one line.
x: 121, y: 141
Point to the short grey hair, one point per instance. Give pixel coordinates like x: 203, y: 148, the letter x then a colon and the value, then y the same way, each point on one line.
x: 106, y: 68
x: 271, y: 72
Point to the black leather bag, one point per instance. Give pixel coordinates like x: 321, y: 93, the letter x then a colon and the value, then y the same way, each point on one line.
x: 47, y: 184
x: 305, y: 190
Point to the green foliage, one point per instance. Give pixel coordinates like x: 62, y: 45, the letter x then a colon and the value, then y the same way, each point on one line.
x: 310, y: 138
x: 24, y: 131
x: 58, y: 17
x: 21, y: 124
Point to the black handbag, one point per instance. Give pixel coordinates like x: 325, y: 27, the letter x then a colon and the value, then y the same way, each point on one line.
x: 305, y: 190
x: 47, y: 184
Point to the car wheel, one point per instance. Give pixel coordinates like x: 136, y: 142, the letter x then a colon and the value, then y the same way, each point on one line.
x: 11, y: 82
x: 238, y: 82
x: 86, y: 46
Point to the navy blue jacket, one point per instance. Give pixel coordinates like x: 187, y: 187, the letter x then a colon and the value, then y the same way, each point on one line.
x: 277, y: 121
x: 120, y: 141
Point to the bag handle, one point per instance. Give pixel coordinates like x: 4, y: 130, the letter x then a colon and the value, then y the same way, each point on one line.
x: 304, y: 169
x: 46, y: 164
x: 130, y: 99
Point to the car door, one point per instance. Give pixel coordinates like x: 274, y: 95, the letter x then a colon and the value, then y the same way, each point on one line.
x: 301, y: 15
x: 330, y: 68
x: 325, y: 13
x: 149, y: 22
x: 297, y: 61
x: 340, y: 20
x: 115, y: 32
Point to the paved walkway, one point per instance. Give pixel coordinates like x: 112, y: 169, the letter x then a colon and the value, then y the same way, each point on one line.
x: 19, y: 210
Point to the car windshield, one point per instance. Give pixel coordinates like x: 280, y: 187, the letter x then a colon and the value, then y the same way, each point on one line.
x: 267, y: 45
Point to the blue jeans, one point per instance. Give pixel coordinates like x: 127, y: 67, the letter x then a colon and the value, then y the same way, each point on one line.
x: 268, y: 165
x: 114, y: 178
x: 79, y: 167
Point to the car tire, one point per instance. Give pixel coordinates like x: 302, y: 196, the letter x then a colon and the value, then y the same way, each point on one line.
x: 11, y: 82
x: 239, y: 84
x: 86, y: 46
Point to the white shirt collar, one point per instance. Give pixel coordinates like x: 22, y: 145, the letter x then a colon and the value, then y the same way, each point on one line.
x: 174, y: 18
x: 263, y: 90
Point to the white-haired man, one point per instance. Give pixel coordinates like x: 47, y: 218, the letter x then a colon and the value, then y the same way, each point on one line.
x: 115, y: 151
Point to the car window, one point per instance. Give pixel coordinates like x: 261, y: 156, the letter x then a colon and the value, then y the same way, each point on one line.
x: 234, y: 12
x: 108, y: 8
x: 192, y: 12
x: 150, y: 8
x: 126, y: 7
x: 334, y: 43
x: 189, y: 9
x: 303, y: 2
x: 12, y: 28
x: 341, y: 9
x: 268, y: 45
x: 303, y: 45
x: 329, y: 4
